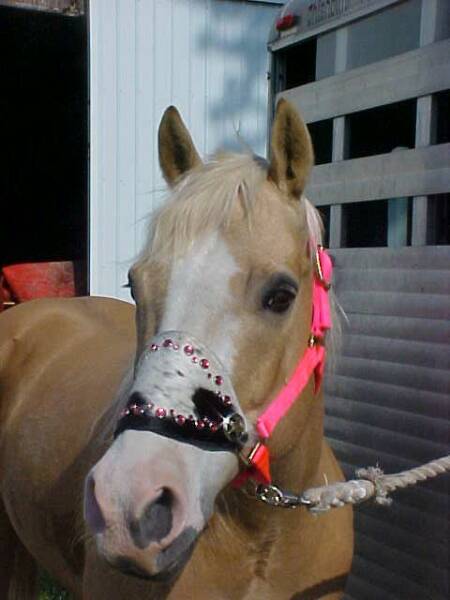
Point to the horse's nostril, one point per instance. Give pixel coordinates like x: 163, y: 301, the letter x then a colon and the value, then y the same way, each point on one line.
x: 159, y: 513
x: 156, y: 520
x: 92, y: 511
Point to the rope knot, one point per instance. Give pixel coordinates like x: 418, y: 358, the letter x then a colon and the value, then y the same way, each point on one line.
x: 376, y: 476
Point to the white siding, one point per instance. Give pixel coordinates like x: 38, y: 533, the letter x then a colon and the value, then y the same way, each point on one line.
x: 208, y: 58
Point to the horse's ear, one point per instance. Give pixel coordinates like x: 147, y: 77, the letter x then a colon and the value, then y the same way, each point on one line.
x: 177, y: 153
x: 292, y: 155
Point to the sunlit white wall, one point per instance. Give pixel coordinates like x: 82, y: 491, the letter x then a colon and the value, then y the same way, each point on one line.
x: 208, y: 58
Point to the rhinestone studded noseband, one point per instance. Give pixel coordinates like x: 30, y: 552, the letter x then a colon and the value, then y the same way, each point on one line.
x: 215, y: 419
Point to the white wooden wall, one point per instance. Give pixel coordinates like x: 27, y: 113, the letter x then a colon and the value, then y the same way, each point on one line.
x: 208, y: 58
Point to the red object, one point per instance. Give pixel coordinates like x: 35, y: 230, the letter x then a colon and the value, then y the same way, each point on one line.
x: 286, y: 22
x: 258, y: 467
x: 5, y: 294
x: 28, y: 281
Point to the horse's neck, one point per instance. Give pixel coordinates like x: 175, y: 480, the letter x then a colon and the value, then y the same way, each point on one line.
x: 298, y: 468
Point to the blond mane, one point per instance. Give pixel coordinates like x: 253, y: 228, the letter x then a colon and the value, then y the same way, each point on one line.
x: 202, y: 201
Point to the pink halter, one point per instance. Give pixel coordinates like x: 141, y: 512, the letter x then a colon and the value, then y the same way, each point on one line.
x: 312, y: 362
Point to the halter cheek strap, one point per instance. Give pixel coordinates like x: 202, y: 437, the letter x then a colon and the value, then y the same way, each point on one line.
x: 312, y: 362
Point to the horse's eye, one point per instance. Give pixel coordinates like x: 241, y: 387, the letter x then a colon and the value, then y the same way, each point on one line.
x: 279, y: 300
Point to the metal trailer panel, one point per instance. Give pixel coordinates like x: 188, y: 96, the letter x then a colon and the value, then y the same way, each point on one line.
x: 405, y: 173
x: 388, y: 403
x: 407, y: 75
x: 388, y: 395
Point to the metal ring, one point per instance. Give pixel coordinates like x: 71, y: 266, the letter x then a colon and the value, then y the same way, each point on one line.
x: 269, y: 494
x: 320, y: 276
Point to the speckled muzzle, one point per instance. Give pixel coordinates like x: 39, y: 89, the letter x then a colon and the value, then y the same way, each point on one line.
x: 181, y: 391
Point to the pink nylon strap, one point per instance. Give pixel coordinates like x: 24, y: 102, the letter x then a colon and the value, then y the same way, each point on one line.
x: 276, y: 410
x: 314, y: 357
x: 312, y: 362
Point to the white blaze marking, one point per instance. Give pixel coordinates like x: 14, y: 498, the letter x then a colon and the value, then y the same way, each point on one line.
x: 198, y: 297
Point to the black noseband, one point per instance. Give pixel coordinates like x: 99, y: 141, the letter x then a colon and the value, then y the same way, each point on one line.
x: 213, y: 424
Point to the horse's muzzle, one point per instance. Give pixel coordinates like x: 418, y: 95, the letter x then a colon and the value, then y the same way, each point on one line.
x: 153, y: 492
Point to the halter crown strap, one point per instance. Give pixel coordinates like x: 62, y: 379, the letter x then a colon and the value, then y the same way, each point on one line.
x: 312, y: 362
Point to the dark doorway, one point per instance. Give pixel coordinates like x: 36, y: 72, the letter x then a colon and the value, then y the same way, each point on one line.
x: 44, y: 139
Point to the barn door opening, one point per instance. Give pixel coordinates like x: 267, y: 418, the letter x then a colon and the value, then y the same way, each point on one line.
x: 44, y: 139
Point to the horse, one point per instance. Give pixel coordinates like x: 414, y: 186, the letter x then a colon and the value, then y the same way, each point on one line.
x: 122, y: 429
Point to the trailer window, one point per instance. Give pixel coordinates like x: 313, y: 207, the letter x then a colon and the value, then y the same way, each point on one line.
x: 379, y: 130
x: 443, y: 117
x: 298, y: 64
x: 439, y: 219
x: 322, y: 138
x: 378, y: 223
x: 365, y: 224
x: 388, y: 33
x: 324, y: 212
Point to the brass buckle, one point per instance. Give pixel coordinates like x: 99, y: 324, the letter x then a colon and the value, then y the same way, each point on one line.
x: 319, y: 271
x: 248, y: 459
x: 315, y: 340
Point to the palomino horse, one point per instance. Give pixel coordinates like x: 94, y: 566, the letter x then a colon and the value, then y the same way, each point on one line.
x: 144, y: 432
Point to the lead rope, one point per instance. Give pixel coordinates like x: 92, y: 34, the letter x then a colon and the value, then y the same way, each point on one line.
x: 371, y: 483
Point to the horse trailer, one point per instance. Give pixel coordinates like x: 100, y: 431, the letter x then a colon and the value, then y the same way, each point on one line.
x: 372, y: 80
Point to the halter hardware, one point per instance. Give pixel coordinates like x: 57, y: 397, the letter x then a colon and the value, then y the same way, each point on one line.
x: 315, y: 340
x: 319, y: 272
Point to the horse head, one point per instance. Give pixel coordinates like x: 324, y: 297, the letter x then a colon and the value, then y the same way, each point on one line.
x: 223, y: 293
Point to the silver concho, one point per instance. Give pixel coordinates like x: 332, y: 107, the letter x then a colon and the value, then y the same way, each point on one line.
x: 233, y: 427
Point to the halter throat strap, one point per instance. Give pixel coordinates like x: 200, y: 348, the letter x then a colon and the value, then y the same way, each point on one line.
x: 311, y: 363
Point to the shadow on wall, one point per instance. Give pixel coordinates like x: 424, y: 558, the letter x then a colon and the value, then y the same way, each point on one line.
x: 235, y: 44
